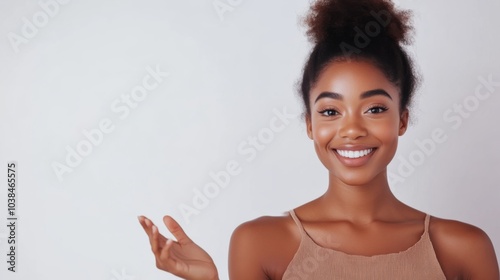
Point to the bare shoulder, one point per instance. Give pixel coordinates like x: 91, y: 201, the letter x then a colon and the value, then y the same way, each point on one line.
x: 463, y: 250
x: 265, y: 233
x: 263, y: 246
x: 458, y: 236
x: 266, y: 223
x: 452, y: 231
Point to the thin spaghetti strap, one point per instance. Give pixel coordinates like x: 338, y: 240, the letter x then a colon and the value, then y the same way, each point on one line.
x: 426, y: 223
x: 297, y: 221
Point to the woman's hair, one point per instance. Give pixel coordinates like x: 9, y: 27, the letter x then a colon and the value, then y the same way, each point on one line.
x: 369, y: 30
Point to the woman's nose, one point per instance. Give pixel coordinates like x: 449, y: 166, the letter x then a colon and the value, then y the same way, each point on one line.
x: 352, y: 128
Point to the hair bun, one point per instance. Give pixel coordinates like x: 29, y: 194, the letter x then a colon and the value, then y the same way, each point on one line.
x: 343, y: 20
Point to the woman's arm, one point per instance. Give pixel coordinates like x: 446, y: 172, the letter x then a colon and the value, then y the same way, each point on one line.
x: 245, y: 251
x: 478, y: 256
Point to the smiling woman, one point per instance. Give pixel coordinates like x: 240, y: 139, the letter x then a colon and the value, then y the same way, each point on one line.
x: 357, y: 104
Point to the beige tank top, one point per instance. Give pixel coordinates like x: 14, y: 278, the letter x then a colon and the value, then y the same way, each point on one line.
x: 312, y: 261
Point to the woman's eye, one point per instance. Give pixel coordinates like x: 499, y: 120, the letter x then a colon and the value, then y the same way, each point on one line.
x: 377, y: 110
x: 328, y: 112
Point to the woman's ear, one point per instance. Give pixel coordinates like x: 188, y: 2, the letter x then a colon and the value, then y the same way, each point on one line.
x: 309, y: 126
x: 403, y: 122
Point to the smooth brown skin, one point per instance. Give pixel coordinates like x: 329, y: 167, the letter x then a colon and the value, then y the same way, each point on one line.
x: 358, y: 214
x: 183, y: 257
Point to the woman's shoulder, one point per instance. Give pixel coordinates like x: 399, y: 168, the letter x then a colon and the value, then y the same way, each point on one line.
x: 454, y: 230
x: 462, y: 247
x: 457, y: 235
x: 266, y: 243
x: 266, y: 229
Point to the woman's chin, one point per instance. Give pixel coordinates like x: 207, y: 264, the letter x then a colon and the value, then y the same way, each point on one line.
x: 356, y: 182
x: 355, y: 178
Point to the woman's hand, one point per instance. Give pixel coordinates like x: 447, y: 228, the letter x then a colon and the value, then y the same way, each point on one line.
x: 183, y: 257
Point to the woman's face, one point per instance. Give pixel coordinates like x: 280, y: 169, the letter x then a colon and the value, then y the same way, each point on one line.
x: 355, y: 121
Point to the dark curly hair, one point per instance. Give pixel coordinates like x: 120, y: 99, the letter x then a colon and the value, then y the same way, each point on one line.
x: 370, y: 30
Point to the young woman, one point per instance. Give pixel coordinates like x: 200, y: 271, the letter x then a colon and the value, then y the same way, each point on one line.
x: 357, y: 92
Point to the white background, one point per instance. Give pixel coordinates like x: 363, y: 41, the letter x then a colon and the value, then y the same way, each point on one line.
x: 228, y: 72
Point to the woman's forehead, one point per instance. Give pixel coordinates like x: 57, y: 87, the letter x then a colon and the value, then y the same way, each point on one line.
x: 352, y: 79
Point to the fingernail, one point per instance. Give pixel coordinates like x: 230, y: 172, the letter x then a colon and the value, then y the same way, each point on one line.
x: 139, y: 218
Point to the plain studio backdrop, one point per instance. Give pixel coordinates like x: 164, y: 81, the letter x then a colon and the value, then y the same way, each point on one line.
x: 114, y: 109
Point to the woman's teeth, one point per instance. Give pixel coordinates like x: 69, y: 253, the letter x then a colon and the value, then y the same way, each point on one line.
x: 354, y: 154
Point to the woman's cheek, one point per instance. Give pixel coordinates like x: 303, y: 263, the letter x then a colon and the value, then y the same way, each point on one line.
x: 388, y: 134
x: 324, y: 132
x: 388, y: 129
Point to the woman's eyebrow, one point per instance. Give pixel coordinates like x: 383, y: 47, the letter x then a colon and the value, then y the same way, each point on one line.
x: 366, y: 94
x: 328, y: 94
x: 374, y: 92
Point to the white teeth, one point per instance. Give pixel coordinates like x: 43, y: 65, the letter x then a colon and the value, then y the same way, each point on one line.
x: 354, y: 154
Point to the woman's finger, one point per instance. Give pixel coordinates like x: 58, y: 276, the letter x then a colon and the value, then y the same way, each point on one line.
x: 142, y: 221
x: 158, y: 240
x: 167, y: 258
x: 176, y: 230
x: 149, y: 227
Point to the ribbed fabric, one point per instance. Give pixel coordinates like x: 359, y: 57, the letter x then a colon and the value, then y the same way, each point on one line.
x: 312, y: 261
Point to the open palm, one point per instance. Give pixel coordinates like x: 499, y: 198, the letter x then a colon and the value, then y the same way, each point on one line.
x: 183, y: 257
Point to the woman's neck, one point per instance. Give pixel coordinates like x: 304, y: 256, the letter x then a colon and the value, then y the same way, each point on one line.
x: 360, y: 204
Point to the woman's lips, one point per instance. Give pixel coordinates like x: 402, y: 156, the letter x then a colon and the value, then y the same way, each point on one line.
x: 353, y: 158
x: 354, y: 153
